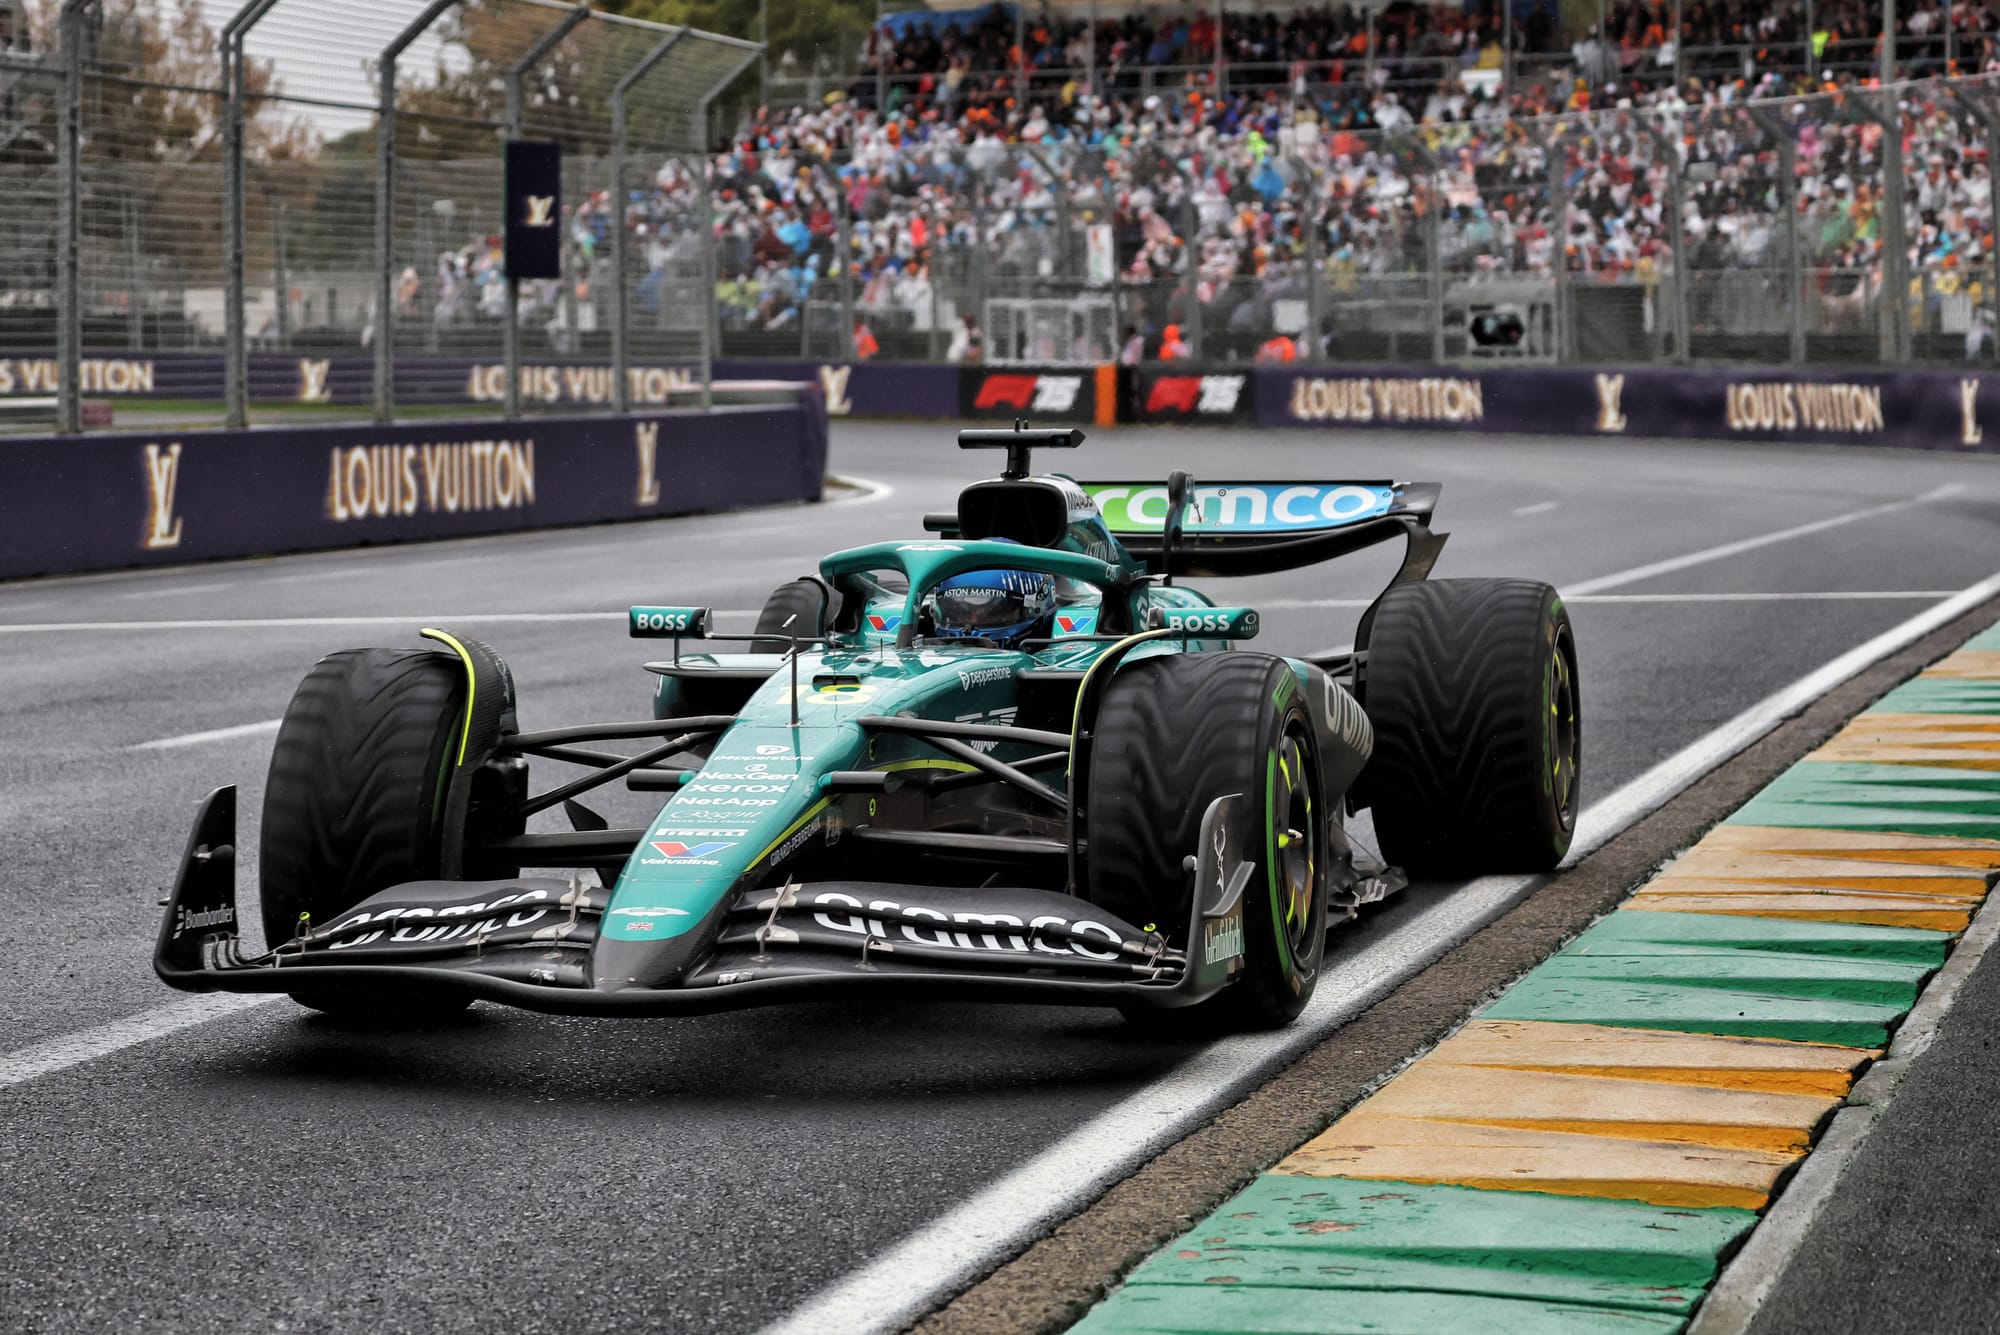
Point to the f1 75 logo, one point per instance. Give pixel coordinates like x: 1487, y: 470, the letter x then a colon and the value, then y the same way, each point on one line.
x: 163, y: 475
x: 1038, y: 393
x: 1217, y: 394
x: 541, y: 211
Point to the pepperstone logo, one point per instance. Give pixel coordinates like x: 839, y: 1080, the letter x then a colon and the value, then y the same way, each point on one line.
x: 833, y: 379
x: 312, y: 380
x: 1969, y: 431
x: 163, y: 475
x: 1388, y: 399
x: 1784, y: 405
x: 646, y: 439
x: 1610, y: 411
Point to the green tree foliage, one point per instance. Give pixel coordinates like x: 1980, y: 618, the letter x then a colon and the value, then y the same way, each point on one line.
x: 822, y: 34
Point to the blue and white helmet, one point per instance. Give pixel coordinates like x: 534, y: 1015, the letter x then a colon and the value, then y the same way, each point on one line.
x: 1004, y: 606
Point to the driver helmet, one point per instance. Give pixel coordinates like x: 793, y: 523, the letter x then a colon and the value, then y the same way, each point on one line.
x: 1004, y: 606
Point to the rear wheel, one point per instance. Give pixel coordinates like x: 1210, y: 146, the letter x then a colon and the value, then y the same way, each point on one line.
x: 1174, y: 734
x: 1471, y: 686
x: 801, y: 607
x: 355, y: 803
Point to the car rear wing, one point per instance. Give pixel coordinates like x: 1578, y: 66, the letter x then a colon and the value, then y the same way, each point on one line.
x: 1258, y: 528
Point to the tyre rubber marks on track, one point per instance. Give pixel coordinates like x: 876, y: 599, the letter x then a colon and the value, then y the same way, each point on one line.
x: 1579, y: 1155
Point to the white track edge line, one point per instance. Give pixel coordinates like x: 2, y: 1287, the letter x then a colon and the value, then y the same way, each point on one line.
x: 1000, y: 1220
x: 212, y: 735
x: 413, y: 621
x: 1741, y: 545
x: 1749, y: 1279
x: 86, y: 1045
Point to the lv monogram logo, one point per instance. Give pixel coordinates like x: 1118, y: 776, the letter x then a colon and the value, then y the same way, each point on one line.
x: 163, y: 475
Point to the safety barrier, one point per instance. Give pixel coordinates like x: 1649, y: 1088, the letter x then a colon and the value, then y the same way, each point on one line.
x: 1923, y: 409
x: 106, y: 501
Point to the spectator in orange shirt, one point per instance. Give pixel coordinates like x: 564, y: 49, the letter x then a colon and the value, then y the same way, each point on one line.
x: 1278, y: 348
x: 865, y: 345
x: 1171, y: 347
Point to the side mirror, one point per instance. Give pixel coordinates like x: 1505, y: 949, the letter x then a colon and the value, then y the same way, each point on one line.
x: 660, y: 623
x: 1208, y: 623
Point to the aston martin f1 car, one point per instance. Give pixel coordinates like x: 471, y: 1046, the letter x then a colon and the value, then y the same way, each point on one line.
x: 1015, y: 758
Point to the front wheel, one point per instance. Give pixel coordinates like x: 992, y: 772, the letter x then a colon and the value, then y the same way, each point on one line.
x: 1471, y: 685
x: 1174, y: 734
x: 355, y: 803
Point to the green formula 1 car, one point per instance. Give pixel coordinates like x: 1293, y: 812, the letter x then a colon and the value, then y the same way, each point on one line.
x: 1013, y: 760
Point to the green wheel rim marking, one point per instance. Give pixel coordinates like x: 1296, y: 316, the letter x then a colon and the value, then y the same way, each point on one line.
x: 1562, y: 734
x: 1294, y: 862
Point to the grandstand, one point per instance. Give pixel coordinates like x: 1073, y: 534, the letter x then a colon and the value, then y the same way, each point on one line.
x: 1660, y: 181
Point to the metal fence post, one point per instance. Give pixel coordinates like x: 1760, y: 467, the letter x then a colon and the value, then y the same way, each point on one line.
x: 1773, y: 125
x: 385, y: 211
x: 1895, y: 241
x: 1551, y: 146
x: 842, y: 211
x: 1676, y: 231
x: 1895, y: 339
x: 235, y: 373
x: 1974, y: 99
x: 711, y: 274
x: 1433, y: 236
x: 69, y: 188
x: 510, y: 337
x: 621, y: 309
x: 1310, y: 225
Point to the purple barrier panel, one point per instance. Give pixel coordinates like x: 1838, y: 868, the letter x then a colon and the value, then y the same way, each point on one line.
x: 1905, y: 409
x: 1531, y: 399
x: 106, y: 501
x: 863, y: 389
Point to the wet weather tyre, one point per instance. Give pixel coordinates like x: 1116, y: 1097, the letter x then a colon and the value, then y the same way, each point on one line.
x: 1471, y: 686
x: 1173, y: 734
x: 355, y: 803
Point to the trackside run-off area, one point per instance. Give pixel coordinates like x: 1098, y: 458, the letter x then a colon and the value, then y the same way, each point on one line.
x: 1595, y: 1122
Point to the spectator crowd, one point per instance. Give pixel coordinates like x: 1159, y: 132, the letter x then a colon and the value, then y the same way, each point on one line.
x: 1071, y: 159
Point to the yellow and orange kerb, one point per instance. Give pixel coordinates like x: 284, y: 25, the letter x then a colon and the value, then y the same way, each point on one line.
x: 1612, y: 1124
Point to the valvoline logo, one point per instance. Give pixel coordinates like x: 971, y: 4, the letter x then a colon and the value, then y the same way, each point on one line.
x: 1082, y: 621
x: 878, y: 622
x: 674, y: 848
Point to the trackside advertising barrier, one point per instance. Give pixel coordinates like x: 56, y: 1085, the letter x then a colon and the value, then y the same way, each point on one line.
x: 104, y: 501
x: 1924, y: 409
x: 1909, y: 409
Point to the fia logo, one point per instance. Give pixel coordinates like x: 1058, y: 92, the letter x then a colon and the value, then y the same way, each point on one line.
x: 646, y: 438
x: 1610, y: 389
x: 541, y: 211
x: 163, y: 475
x: 833, y: 379
x: 1969, y: 430
x: 312, y: 381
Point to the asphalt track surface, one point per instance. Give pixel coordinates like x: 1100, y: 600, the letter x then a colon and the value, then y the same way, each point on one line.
x: 271, y: 1171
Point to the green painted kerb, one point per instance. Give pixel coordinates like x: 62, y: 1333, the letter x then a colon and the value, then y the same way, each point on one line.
x: 1320, y: 1254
